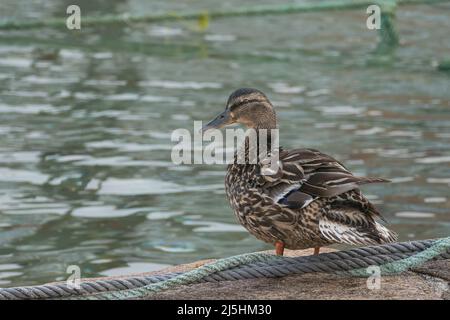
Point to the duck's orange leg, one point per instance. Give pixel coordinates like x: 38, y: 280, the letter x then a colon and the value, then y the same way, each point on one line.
x: 279, y: 248
x: 316, y: 250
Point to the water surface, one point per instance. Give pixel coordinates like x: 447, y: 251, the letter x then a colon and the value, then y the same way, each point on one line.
x: 86, y: 117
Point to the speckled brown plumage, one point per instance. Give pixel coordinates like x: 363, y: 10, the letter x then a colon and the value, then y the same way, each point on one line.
x: 311, y: 201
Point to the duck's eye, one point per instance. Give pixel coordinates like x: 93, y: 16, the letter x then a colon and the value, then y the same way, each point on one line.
x: 222, y: 116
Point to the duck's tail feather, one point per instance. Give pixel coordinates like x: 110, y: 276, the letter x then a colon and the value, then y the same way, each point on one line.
x: 339, y: 233
x: 385, y: 234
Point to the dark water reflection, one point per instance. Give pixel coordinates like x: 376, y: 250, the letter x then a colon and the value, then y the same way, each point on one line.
x: 85, y: 120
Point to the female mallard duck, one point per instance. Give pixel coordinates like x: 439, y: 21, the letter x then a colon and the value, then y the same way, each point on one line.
x: 311, y: 201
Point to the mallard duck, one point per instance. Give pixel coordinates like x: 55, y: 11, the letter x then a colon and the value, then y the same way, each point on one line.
x: 312, y: 200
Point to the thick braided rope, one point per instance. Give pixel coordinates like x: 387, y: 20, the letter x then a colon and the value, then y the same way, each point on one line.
x: 318, y: 264
x: 357, y: 258
x: 362, y: 257
x: 186, y: 278
x: 440, y: 247
x: 219, y: 271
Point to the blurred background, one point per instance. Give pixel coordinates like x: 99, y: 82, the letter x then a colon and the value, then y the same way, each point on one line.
x: 86, y: 117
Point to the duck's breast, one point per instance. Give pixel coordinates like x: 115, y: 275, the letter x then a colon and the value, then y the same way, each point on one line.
x: 241, y: 188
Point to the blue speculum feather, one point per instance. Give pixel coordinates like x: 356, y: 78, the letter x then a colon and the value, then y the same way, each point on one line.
x: 284, y: 200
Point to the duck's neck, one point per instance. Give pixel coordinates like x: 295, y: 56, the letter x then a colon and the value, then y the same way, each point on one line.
x: 266, y: 127
x: 259, y: 144
x: 266, y: 120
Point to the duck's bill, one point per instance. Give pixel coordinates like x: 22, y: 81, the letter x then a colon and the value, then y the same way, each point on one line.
x: 218, y: 122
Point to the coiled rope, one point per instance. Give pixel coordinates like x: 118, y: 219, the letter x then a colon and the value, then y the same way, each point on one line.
x: 392, y: 258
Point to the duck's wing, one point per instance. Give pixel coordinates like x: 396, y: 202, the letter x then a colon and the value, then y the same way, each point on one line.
x: 306, y: 174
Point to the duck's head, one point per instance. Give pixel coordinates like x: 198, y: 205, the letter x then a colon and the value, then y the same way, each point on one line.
x: 246, y: 106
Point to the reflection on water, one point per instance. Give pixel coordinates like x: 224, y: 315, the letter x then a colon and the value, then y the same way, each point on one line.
x: 85, y: 170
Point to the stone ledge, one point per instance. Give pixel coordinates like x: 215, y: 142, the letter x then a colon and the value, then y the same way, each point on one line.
x: 429, y: 282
